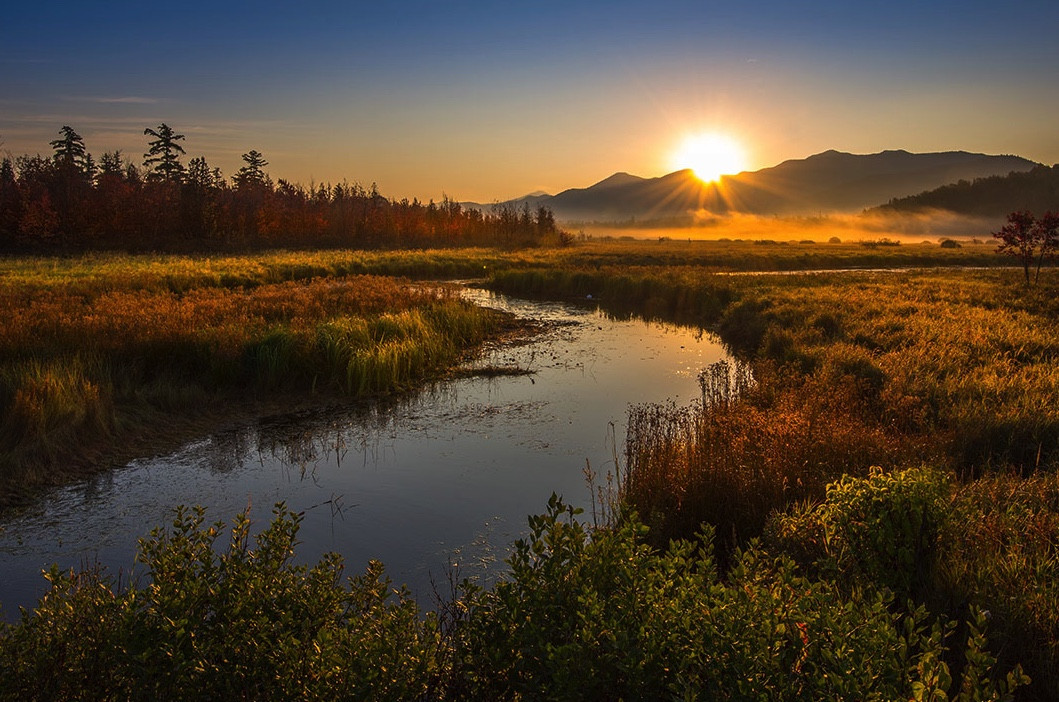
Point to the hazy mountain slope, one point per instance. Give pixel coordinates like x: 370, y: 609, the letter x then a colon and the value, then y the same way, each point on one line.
x: 828, y: 181
x: 1036, y: 190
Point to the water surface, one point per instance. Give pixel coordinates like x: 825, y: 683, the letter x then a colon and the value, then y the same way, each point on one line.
x: 445, y: 477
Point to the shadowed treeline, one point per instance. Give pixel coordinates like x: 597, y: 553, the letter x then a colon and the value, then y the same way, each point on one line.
x: 993, y: 196
x: 69, y: 201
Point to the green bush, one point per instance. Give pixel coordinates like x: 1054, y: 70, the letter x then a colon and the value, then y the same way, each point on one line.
x: 1001, y: 553
x: 598, y: 615
x: 211, y: 623
x: 582, y: 614
x: 881, y: 529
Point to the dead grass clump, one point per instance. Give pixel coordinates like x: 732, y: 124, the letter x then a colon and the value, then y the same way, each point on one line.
x: 747, y: 450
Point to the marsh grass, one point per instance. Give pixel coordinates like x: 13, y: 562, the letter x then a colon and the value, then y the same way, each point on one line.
x: 104, y: 356
x: 954, y: 369
x: 747, y: 450
x: 965, y: 358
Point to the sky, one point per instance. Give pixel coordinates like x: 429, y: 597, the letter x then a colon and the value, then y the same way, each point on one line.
x: 486, y: 101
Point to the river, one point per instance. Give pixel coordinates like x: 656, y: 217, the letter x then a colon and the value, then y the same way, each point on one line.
x: 440, y: 479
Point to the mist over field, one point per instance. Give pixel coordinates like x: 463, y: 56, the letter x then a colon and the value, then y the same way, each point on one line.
x: 907, y: 228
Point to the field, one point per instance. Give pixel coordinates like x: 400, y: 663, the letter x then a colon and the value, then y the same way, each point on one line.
x: 865, y: 506
x: 99, y: 353
x: 930, y: 375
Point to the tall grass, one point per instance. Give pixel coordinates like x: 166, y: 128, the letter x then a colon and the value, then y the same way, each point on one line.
x: 963, y: 358
x: 747, y: 450
x: 953, y: 369
x: 86, y: 362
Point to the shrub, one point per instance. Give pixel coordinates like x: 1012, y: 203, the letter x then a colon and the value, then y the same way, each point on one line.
x: 598, y: 615
x: 582, y: 614
x: 731, y: 464
x: 1001, y: 553
x: 881, y: 529
x: 212, y: 623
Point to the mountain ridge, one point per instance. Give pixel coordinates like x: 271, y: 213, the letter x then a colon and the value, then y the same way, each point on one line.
x: 829, y: 181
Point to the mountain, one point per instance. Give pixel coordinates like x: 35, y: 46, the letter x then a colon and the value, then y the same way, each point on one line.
x: 1036, y: 191
x: 828, y: 181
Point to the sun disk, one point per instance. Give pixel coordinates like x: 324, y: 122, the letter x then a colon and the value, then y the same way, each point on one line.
x: 710, y: 156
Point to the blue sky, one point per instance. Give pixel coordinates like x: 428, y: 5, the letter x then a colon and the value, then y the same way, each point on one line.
x: 487, y: 101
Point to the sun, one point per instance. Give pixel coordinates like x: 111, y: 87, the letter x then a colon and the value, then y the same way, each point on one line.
x: 710, y: 155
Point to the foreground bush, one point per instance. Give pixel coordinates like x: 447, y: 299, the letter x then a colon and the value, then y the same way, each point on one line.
x: 601, y: 615
x: 1001, y: 552
x: 880, y: 530
x: 992, y: 543
x: 582, y: 614
x: 240, y: 622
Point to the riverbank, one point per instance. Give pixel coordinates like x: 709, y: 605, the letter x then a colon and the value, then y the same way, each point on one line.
x: 948, y: 368
x: 99, y: 362
x: 854, y: 372
x: 108, y: 356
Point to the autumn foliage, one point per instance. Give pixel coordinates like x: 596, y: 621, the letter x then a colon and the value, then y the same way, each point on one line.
x: 1029, y: 239
x: 71, y: 202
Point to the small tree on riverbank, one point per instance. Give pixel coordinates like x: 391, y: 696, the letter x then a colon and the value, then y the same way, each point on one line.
x: 1029, y: 239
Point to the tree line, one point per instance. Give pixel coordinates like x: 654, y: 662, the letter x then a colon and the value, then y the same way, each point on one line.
x: 71, y: 201
x: 992, y: 196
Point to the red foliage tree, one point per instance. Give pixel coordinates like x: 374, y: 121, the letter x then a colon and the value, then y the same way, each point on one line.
x: 1019, y: 238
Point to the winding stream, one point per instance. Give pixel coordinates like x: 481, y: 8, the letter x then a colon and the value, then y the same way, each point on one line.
x: 445, y: 477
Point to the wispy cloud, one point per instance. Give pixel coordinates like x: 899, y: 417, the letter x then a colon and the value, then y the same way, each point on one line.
x: 106, y: 100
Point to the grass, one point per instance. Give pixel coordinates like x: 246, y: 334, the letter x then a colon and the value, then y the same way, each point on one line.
x: 97, y: 356
x: 964, y: 356
x: 893, y: 437
x: 953, y: 369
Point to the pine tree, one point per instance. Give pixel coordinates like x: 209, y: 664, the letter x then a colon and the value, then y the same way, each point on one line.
x: 70, y: 150
x: 10, y: 203
x: 252, y: 174
x: 162, y: 154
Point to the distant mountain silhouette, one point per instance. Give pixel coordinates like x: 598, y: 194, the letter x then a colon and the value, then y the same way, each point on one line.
x: 1036, y: 191
x: 825, y: 182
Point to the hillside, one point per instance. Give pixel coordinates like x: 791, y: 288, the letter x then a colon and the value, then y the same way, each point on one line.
x: 1036, y: 190
x: 826, y: 182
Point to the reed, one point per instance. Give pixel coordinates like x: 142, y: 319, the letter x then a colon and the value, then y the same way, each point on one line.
x: 745, y: 451
x: 84, y: 362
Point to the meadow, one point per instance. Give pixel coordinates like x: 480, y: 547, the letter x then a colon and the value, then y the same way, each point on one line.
x: 864, y: 506
x: 103, y: 357
x: 929, y: 394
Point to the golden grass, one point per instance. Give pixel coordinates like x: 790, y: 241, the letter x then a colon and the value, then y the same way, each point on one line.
x: 98, y: 349
x: 955, y: 369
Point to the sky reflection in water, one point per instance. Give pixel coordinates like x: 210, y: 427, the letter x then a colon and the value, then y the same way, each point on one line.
x: 447, y: 476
